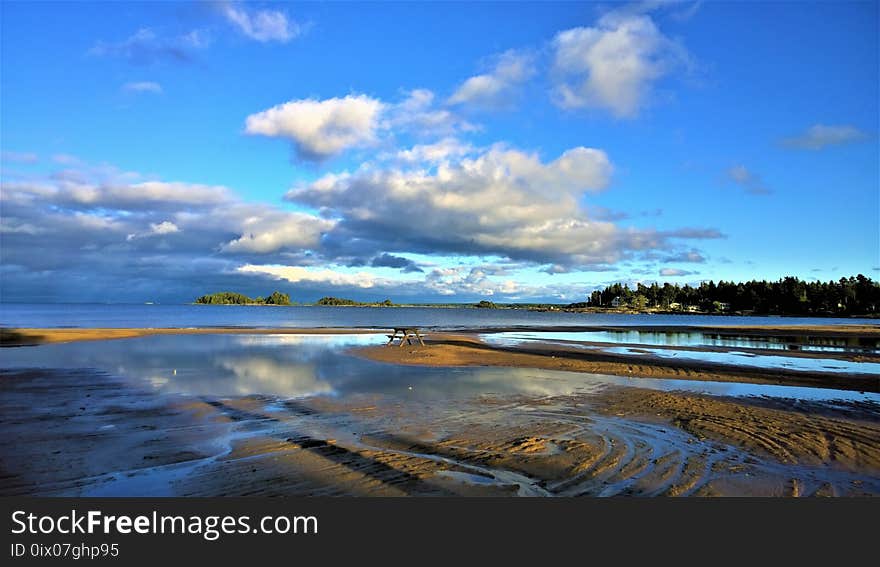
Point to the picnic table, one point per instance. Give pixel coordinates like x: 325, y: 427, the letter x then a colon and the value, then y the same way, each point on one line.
x: 405, y: 334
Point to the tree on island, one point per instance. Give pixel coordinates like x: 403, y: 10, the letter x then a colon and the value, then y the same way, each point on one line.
x: 278, y: 298
x: 486, y: 305
x: 234, y: 298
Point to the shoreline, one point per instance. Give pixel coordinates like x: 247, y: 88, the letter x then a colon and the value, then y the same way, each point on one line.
x: 30, y: 336
x: 446, y: 350
x: 20, y: 337
x: 463, y: 349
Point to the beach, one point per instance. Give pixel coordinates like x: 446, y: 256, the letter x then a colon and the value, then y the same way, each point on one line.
x: 459, y: 416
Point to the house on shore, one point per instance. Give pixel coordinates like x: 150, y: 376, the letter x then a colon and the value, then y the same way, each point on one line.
x: 615, y: 302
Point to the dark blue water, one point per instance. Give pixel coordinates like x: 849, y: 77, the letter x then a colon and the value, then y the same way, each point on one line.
x: 98, y: 315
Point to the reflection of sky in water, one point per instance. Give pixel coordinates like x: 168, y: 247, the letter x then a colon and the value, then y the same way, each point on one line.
x: 692, y: 338
x: 731, y: 357
x: 748, y: 359
x: 305, y: 365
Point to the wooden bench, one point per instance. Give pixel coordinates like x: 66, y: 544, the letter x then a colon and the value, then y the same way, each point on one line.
x: 405, y: 334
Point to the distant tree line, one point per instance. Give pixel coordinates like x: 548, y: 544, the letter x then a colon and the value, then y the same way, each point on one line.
x: 338, y: 301
x: 233, y: 298
x: 857, y: 295
x: 486, y: 305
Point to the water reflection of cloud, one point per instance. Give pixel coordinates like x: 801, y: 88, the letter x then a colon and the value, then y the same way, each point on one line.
x: 261, y: 375
x: 336, y: 340
x: 306, y: 365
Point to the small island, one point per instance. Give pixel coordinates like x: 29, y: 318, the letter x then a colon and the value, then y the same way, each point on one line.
x: 233, y: 298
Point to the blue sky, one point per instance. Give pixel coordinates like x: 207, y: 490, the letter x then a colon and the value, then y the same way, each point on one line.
x: 433, y: 152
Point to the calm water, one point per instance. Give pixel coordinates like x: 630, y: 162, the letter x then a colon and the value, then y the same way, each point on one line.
x: 850, y: 345
x: 95, y: 315
x: 292, y: 366
x: 731, y: 357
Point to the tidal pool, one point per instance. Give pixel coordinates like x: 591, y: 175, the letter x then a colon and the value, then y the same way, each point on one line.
x: 298, y: 366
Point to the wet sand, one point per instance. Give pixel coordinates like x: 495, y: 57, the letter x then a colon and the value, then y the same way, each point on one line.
x: 87, y: 433
x: 84, y: 432
x: 469, y: 350
x: 36, y: 336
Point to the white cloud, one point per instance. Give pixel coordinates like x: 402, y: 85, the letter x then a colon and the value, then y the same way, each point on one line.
x: 500, y: 201
x: 418, y: 113
x: 497, y: 87
x: 262, y: 25
x: 278, y: 230
x: 670, y: 272
x: 820, y: 136
x: 298, y: 274
x: 320, y: 128
x: 748, y: 180
x: 614, y: 65
x: 435, y: 153
x: 76, y: 189
x: 468, y: 281
x: 142, y: 87
x: 164, y: 227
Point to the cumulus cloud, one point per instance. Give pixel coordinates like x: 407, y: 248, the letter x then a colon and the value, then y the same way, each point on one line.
x: 670, y: 272
x: 501, y: 201
x: 145, y: 47
x: 497, y: 87
x: 419, y: 114
x: 278, y: 230
x: 142, y: 87
x: 749, y: 181
x: 443, y: 150
x: 614, y: 65
x: 262, y: 25
x: 74, y: 192
x: 319, y: 129
x: 458, y: 281
x: 99, y: 230
x: 821, y: 136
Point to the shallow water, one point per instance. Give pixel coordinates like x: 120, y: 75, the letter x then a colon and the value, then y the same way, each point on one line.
x: 731, y: 357
x: 759, y: 361
x: 270, y: 415
x: 861, y: 345
x: 296, y: 366
x: 116, y: 315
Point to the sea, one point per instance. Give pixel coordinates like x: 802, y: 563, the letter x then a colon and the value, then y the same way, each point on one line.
x: 85, y: 315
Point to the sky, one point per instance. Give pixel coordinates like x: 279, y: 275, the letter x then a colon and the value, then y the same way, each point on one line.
x: 433, y: 152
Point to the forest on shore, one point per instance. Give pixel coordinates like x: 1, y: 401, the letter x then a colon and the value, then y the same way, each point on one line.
x: 858, y: 295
